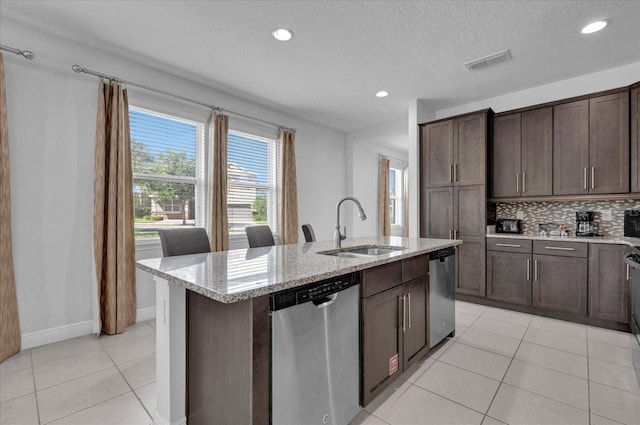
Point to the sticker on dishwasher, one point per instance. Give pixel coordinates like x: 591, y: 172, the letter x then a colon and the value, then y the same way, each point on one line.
x: 393, y: 364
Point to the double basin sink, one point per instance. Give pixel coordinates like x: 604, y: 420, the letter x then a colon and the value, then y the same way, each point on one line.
x: 362, y: 251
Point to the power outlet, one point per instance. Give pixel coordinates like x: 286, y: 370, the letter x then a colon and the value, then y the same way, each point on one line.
x: 520, y: 214
x: 606, y: 215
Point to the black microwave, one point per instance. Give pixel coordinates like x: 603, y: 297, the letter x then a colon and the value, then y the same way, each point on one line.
x: 508, y: 225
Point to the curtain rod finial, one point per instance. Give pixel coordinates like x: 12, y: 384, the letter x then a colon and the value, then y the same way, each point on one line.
x: 28, y: 54
x: 77, y: 69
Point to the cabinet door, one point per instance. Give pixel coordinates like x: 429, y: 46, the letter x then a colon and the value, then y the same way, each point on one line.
x: 635, y: 140
x: 537, y: 152
x: 571, y: 148
x: 506, y: 153
x: 415, y: 336
x: 470, y: 149
x: 608, y: 283
x: 437, y: 213
x: 470, y: 268
x: 381, y: 342
x: 436, y: 154
x: 509, y: 277
x: 560, y: 283
x: 609, y: 143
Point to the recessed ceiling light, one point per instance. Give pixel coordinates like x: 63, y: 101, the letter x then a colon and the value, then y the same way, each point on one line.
x: 594, y: 27
x: 282, y: 34
x: 382, y: 93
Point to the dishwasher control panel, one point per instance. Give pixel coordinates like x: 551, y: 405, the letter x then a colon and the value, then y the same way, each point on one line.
x: 316, y: 290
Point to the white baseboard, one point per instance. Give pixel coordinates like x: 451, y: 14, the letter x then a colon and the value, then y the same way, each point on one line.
x: 74, y: 330
x: 146, y: 313
x: 59, y: 333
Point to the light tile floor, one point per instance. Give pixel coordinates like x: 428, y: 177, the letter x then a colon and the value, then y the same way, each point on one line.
x: 501, y: 367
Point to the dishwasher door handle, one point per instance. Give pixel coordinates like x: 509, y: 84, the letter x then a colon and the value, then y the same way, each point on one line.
x: 325, y: 301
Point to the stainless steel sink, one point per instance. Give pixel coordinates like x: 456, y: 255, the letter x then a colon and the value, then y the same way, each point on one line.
x: 363, y: 251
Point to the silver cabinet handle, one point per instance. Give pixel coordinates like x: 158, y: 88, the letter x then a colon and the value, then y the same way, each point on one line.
x: 455, y: 234
x: 509, y: 245
x: 535, y: 270
x: 455, y: 172
x: 528, y: 270
x: 627, y: 272
x: 450, y: 234
x: 517, y: 182
x: 593, y: 177
x: 559, y: 248
x: 409, y: 313
x: 451, y: 173
x: 524, y: 182
x: 585, y: 178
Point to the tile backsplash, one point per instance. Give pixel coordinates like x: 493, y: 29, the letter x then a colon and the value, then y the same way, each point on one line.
x: 565, y: 213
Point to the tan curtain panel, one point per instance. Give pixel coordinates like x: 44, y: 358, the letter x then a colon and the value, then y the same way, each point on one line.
x: 219, y: 219
x: 10, y: 338
x: 384, y: 199
x: 288, y: 189
x: 113, y: 236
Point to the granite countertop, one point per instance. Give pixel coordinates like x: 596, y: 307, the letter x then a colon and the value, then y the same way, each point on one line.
x: 611, y: 239
x: 240, y: 274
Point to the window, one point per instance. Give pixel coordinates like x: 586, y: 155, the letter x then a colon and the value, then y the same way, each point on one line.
x: 251, y: 181
x: 168, y: 171
x: 396, y: 192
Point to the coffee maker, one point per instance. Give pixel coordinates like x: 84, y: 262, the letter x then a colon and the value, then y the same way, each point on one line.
x: 585, y: 226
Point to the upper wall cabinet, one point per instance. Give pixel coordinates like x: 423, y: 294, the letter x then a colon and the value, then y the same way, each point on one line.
x: 454, y: 152
x: 591, y: 146
x: 635, y: 140
x: 522, y: 154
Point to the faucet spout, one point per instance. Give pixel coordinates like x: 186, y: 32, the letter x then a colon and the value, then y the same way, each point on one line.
x: 338, y: 236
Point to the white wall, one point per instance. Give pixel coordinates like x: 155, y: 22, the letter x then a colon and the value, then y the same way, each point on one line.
x: 51, y: 118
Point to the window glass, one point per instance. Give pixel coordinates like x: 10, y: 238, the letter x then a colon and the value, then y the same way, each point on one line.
x: 168, y: 171
x: 396, y: 179
x: 251, y: 181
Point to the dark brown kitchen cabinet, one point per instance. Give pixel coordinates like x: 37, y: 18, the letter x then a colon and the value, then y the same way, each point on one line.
x: 635, y: 140
x: 608, y: 283
x: 522, y: 154
x: 509, y: 277
x: 459, y: 213
x: 560, y: 283
x: 394, y: 322
x: 591, y: 146
x: 453, y: 152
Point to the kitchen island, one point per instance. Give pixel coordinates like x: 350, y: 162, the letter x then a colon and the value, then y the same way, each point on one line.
x: 212, y: 321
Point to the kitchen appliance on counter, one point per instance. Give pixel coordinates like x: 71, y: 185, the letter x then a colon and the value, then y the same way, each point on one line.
x: 315, y: 369
x: 508, y: 225
x: 633, y: 260
x: 585, y: 224
x: 442, y: 295
x: 632, y: 223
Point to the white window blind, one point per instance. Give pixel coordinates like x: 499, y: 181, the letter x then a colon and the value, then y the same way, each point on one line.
x: 396, y: 191
x: 251, y: 182
x: 168, y: 171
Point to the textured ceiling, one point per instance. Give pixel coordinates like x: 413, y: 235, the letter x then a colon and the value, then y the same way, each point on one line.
x: 345, y: 51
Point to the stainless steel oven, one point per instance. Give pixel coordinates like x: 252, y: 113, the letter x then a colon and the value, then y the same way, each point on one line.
x: 633, y: 259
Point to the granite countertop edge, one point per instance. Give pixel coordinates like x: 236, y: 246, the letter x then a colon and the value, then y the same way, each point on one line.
x: 347, y: 266
x: 608, y: 239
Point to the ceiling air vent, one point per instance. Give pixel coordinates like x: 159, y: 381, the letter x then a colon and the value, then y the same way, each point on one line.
x: 489, y: 60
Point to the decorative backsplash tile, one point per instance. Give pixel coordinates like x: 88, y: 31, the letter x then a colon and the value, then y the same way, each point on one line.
x: 565, y: 213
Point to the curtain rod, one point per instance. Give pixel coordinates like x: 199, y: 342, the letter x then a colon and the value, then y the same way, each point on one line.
x: 27, y: 54
x: 78, y: 69
x: 404, y: 163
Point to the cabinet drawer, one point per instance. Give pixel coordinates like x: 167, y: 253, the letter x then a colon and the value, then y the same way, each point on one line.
x: 561, y: 249
x: 509, y: 245
x: 413, y: 268
x: 381, y: 278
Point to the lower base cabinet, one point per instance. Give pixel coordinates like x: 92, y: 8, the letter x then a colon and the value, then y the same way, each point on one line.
x: 609, y: 283
x: 560, y: 283
x: 394, y: 328
x: 509, y: 277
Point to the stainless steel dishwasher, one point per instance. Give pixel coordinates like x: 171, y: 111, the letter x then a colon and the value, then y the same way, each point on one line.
x: 442, y: 294
x: 315, y: 353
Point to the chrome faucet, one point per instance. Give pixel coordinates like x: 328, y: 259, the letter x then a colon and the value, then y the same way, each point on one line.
x: 338, y: 236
